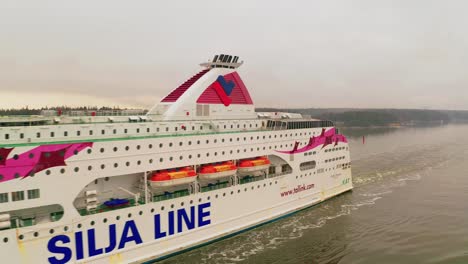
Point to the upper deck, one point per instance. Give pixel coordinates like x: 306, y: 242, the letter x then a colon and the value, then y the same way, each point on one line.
x: 68, y: 129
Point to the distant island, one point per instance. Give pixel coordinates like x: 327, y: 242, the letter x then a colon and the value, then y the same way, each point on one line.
x: 348, y: 117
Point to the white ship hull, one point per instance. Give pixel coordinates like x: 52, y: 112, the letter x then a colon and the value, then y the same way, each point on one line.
x: 77, y: 189
x: 264, y: 201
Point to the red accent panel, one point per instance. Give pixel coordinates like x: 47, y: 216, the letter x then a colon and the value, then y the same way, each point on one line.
x: 243, y: 89
x: 4, y: 152
x: 215, y: 94
x: 179, y: 91
x: 221, y: 93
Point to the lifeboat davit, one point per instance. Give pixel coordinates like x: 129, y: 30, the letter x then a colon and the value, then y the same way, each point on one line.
x: 216, y: 171
x: 167, y: 178
x: 253, y: 165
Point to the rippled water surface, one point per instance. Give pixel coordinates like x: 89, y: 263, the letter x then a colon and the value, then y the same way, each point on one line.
x: 409, y: 205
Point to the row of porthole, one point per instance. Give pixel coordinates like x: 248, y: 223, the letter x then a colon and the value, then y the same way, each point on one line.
x: 336, y: 149
x: 305, y: 175
x: 46, y: 155
x: 116, y: 165
x: 114, y: 131
x: 334, y: 159
x: 150, y: 161
x: 161, y: 145
x: 129, y: 215
x: 148, y: 130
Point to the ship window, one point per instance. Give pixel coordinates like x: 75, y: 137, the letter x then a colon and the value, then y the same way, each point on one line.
x: 17, y: 196
x: 167, y: 128
x: 175, y: 128
x: 160, y: 145
x: 78, y: 133
x: 103, y: 132
x: 138, y: 147
x: 125, y: 131
x: 150, y: 146
x: 114, y: 131
x: 90, y: 132
x: 7, y: 136
x: 148, y: 130
x: 138, y: 130
x: 180, y: 143
x: 33, y: 194
x: 115, y: 149
x: 38, y: 134
x: 3, y: 197
x: 21, y: 135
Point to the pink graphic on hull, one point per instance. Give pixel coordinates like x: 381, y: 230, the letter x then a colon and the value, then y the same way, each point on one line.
x: 325, y: 138
x: 37, y: 159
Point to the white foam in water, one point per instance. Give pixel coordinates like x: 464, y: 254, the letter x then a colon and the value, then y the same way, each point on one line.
x: 274, y: 236
x: 415, y: 177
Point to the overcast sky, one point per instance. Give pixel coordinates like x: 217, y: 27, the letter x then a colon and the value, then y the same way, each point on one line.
x: 376, y: 54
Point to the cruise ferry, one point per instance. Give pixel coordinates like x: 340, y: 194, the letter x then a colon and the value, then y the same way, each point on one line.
x: 199, y: 166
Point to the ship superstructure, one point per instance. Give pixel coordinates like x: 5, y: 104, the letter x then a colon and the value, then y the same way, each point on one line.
x: 199, y: 166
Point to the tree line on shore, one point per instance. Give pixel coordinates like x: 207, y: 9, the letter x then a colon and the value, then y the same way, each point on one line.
x: 345, y: 116
x: 37, y: 111
x: 380, y: 117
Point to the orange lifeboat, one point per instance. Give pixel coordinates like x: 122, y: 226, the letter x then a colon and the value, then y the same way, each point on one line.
x: 253, y: 165
x: 217, y: 170
x: 173, y: 177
